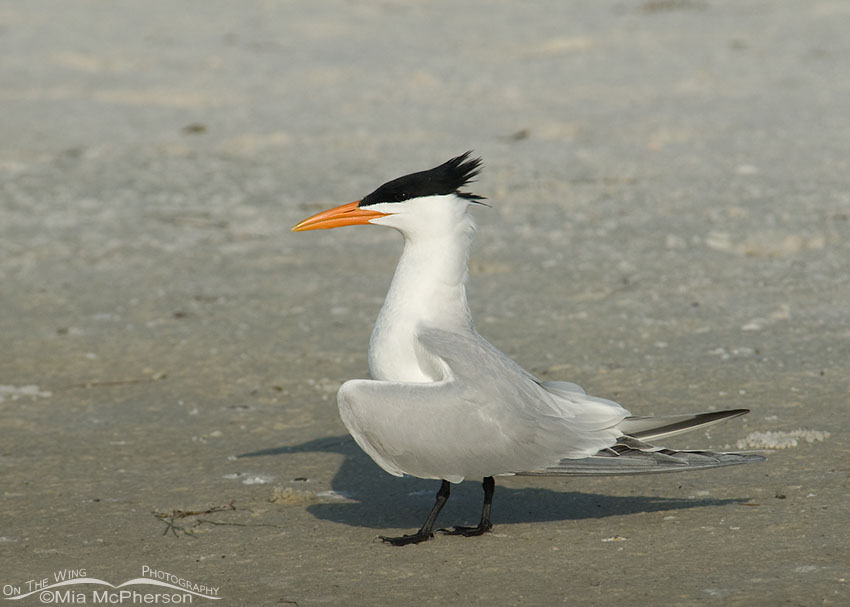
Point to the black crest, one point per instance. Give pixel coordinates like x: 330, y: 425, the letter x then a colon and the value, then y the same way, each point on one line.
x: 447, y: 178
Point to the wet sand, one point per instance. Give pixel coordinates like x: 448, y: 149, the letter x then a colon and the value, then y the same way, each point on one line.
x: 668, y: 227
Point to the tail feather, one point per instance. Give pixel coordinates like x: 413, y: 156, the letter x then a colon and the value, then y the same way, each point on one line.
x: 646, y: 463
x: 632, y: 455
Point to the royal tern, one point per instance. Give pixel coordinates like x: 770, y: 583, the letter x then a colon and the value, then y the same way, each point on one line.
x: 445, y: 404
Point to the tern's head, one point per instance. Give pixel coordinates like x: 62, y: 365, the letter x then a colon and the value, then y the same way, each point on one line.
x: 420, y: 203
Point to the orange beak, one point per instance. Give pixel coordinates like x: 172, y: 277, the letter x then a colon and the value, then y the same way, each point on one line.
x: 345, y: 215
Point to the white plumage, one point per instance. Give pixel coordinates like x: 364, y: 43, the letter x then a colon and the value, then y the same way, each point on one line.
x: 443, y: 403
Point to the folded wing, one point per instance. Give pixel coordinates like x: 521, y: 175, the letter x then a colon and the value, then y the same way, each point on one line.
x: 486, y: 416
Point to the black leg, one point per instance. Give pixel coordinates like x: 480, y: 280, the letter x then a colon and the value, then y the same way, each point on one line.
x: 427, y: 530
x: 485, y: 525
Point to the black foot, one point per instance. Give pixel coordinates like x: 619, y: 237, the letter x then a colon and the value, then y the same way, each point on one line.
x: 425, y: 532
x: 404, y: 540
x: 481, y: 529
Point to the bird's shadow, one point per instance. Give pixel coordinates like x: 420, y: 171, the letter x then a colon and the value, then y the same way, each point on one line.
x: 374, y: 499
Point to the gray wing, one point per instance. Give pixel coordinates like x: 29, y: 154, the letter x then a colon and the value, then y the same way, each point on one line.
x: 559, y: 407
x: 485, y: 417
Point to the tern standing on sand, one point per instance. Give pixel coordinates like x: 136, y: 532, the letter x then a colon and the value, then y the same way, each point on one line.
x: 443, y: 402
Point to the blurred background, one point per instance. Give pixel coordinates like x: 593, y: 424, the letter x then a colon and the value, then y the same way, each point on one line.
x: 668, y: 227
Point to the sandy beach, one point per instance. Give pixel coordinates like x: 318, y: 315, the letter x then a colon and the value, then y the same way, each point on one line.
x: 669, y: 226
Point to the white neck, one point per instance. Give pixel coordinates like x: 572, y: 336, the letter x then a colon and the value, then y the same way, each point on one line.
x: 428, y: 289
